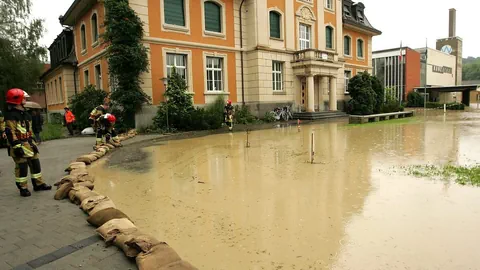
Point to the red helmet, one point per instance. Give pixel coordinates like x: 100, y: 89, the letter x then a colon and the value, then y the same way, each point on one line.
x: 111, y: 118
x: 15, y: 96
x: 229, y: 102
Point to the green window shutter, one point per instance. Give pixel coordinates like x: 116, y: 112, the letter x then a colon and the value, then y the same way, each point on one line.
x: 274, y: 24
x: 346, y: 45
x: 213, y: 17
x: 360, y: 48
x: 174, y: 11
x: 329, y: 33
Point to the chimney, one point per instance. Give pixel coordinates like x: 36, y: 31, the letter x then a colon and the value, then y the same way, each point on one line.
x: 452, y: 23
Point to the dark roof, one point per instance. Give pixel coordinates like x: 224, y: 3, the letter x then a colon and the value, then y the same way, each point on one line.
x: 354, y: 19
x: 393, y: 49
x: 75, y: 11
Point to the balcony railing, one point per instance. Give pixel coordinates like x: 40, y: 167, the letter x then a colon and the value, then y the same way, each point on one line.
x: 312, y: 54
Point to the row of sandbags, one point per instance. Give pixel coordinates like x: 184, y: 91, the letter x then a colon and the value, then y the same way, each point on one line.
x: 114, y: 226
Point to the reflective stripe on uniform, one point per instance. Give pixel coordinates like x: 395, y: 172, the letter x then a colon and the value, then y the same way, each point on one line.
x: 21, y: 129
x: 37, y: 175
x: 21, y: 179
x: 99, y: 139
x: 27, y: 152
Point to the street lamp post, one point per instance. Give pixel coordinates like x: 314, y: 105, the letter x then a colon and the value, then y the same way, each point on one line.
x: 165, y: 84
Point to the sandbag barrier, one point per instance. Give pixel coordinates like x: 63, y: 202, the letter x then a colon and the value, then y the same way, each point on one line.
x: 114, y: 226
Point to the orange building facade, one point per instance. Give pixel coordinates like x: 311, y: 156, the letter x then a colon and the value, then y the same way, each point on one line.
x: 261, y: 53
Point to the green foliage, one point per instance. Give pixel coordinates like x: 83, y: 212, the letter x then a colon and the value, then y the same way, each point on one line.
x: 127, y: 58
x: 56, y: 118
x: 21, y: 56
x: 450, y: 106
x: 471, y: 69
x: 52, y: 131
x: 414, y: 99
x: 461, y: 174
x: 363, y: 96
x: 243, y: 115
x: 84, y: 102
x: 391, y: 103
x: 269, y: 117
x: 379, y: 93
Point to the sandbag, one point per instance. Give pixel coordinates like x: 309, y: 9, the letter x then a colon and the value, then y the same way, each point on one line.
x: 87, y: 159
x: 84, y: 194
x: 74, y: 178
x: 97, y: 154
x: 73, y: 192
x: 110, y: 146
x: 71, y: 195
x: 114, y: 227
x: 134, y: 242
x: 63, y: 190
x: 105, y: 215
x: 86, y: 184
x: 116, y: 144
x: 78, y: 172
x: 180, y: 265
x: 89, y: 203
x: 76, y: 165
x: 102, y: 206
x: 158, y: 257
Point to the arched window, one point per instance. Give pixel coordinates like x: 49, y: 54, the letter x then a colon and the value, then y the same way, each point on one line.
x: 275, y: 19
x: 347, y: 45
x: 360, y: 48
x: 213, y: 17
x: 83, y: 36
x: 329, y: 37
x: 94, y: 27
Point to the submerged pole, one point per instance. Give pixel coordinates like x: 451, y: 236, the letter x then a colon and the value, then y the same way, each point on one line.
x: 248, y: 139
x: 312, y: 147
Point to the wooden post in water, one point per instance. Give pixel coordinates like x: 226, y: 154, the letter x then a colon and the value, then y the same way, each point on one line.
x: 445, y: 108
x: 248, y: 141
x: 312, y: 147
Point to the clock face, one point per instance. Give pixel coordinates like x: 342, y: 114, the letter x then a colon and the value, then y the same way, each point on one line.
x: 447, y: 49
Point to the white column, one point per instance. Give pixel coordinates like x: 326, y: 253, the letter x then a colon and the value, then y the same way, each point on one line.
x: 323, y: 90
x: 310, y: 93
x: 339, y: 28
x: 333, y: 94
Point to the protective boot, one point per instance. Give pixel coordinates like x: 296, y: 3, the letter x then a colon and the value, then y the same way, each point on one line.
x: 25, y: 192
x: 42, y: 187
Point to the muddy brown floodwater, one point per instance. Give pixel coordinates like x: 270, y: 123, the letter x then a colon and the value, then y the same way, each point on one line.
x: 224, y: 206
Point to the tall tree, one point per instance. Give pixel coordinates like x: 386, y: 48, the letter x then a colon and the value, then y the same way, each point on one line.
x: 21, y: 56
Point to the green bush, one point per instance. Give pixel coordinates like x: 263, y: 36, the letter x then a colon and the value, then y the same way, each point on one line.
x: 269, y: 117
x: 52, y: 131
x: 379, y: 93
x: 363, y: 96
x: 56, y: 118
x: 243, y: 115
x: 414, y: 99
x: 391, y: 103
x: 84, y: 102
x: 450, y: 106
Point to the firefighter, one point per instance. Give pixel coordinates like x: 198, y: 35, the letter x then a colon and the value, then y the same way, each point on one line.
x: 22, y: 148
x: 107, y: 123
x: 95, y: 115
x: 228, y: 114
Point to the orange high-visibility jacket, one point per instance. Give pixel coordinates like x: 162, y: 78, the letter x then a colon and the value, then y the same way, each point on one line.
x: 69, y: 117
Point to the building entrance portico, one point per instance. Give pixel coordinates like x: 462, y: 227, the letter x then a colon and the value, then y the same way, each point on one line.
x: 318, y: 72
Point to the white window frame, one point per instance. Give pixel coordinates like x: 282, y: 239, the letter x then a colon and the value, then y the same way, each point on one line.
x: 86, y: 77
x: 350, y: 48
x: 363, y: 48
x: 94, y: 42
x: 62, y: 96
x: 225, y: 73
x: 56, y: 92
x: 306, y: 16
x: 84, y: 49
x: 176, y: 28
x: 206, y: 33
x: 98, y: 77
x: 177, y: 66
x: 330, y: 5
x: 213, y: 70
x: 277, y: 69
x: 347, y: 79
x: 166, y: 50
x: 303, y: 39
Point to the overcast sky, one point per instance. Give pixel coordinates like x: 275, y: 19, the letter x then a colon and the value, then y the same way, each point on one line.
x: 409, y: 21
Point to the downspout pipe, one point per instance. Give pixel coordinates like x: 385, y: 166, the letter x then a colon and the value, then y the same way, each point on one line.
x: 241, y: 53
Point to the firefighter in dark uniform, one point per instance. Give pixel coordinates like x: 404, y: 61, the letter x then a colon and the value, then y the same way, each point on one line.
x: 22, y: 147
x: 95, y: 116
x: 228, y: 114
x: 107, y: 126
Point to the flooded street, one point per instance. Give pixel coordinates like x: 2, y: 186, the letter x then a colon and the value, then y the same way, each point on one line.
x: 221, y: 205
